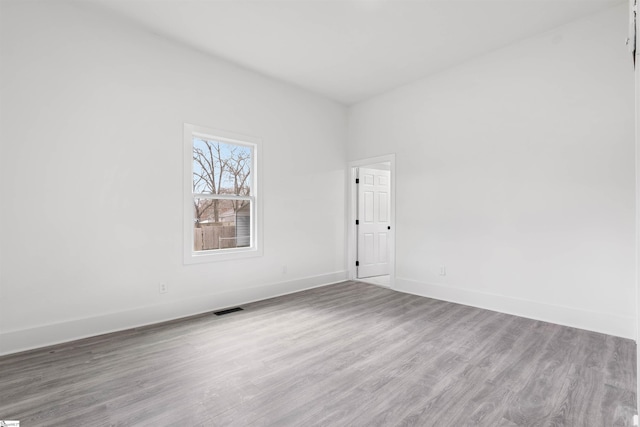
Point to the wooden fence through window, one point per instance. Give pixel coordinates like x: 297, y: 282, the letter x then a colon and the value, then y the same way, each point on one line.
x: 214, y: 237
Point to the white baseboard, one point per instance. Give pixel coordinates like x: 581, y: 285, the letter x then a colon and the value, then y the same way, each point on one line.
x: 56, y: 333
x: 605, y: 323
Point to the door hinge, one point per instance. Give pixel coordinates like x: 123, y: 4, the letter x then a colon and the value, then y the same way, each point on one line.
x: 357, y: 180
x: 357, y: 222
x: 357, y: 263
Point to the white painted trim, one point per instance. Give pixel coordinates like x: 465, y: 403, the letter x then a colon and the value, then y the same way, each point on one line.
x: 606, y: 323
x: 50, y: 334
x: 352, y: 195
x: 637, y: 166
x: 256, y: 248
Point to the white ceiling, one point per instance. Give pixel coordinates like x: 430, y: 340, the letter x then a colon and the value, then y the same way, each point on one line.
x: 350, y: 50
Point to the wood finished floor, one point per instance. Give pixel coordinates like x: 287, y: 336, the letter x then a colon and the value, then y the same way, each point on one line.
x: 349, y: 354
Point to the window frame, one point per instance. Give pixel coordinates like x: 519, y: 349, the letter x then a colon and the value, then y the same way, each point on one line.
x: 255, y: 248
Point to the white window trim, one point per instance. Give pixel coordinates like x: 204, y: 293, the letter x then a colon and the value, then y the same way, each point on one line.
x: 255, y: 249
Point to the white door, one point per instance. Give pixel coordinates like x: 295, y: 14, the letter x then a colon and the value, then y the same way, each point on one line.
x: 373, y: 222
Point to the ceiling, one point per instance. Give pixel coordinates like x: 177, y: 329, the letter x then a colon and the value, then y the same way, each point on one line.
x: 349, y: 50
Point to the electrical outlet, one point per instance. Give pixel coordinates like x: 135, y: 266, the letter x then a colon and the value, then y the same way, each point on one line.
x: 163, y: 287
x: 443, y: 270
x: 635, y: 420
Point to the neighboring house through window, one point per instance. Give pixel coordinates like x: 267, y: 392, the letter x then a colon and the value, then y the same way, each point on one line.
x: 221, y: 189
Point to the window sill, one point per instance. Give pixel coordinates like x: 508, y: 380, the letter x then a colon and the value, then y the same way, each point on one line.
x: 221, y: 255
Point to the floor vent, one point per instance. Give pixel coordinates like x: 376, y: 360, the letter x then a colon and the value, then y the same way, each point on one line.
x: 227, y: 311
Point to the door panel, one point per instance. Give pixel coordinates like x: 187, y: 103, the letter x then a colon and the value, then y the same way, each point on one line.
x: 368, y: 207
x: 383, y: 207
x: 374, y: 216
x: 383, y: 253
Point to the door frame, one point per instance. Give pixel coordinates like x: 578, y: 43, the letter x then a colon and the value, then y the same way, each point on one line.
x: 352, y: 212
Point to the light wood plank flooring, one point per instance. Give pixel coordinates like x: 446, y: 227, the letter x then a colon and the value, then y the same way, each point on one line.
x: 350, y: 354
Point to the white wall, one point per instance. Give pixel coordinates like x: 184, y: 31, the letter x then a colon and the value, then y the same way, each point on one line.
x: 92, y: 112
x: 515, y: 170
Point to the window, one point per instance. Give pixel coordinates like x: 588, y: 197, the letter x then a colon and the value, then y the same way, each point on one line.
x: 221, y: 195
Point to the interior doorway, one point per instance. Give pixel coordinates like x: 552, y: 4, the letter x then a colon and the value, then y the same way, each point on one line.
x: 372, y: 248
